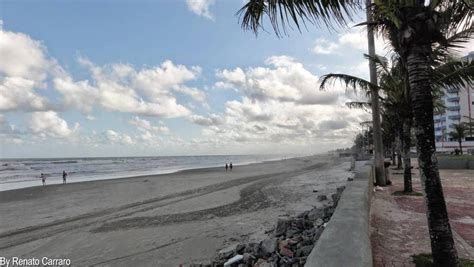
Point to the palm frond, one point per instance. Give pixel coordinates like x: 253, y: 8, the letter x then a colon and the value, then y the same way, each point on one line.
x: 359, y: 105
x: 454, y: 74
x: 283, y: 13
x: 352, y: 83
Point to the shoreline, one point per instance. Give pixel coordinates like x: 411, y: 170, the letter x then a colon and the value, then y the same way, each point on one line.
x: 58, y: 181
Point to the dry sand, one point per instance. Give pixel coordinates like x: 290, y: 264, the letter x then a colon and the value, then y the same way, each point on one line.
x: 161, y: 220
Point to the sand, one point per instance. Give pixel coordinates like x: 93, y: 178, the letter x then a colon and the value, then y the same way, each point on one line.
x: 162, y: 220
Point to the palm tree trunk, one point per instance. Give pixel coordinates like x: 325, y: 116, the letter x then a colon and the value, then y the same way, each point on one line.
x: 399, y: 148
x: 394, y: 158
x: 407, y: 184
x: 460, y: 146
x: 378, y: 145
x: 442, y: 243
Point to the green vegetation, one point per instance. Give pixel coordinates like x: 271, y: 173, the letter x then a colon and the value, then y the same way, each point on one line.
x: 402, y: 193
x: 426, y: 260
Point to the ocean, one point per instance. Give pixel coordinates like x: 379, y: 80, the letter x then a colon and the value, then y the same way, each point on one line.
x: 21, y: 173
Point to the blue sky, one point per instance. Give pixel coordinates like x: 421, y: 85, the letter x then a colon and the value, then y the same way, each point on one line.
x: 128, y: 78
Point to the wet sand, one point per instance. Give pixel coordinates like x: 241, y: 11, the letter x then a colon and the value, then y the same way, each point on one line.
x: 161, y: 220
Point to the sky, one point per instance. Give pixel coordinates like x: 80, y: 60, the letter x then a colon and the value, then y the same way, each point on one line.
x: 93, y: 78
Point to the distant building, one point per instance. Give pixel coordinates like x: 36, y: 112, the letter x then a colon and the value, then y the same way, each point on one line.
x: 459, y: 108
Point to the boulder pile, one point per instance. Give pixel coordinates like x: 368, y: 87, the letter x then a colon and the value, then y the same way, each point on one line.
x: 289, y: 243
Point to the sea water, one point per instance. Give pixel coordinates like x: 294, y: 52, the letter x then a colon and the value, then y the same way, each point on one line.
x: 20, y: 173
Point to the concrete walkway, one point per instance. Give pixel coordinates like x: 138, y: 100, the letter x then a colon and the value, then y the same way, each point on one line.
x: 399, y: 225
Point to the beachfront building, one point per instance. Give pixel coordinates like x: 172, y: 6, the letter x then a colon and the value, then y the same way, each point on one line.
x: 459, y: 107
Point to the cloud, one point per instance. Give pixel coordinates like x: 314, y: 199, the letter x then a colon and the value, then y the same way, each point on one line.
x: 49, y: 124
x: 284, y: 79
x: 80, y: 95
x: 213, y: 119
x: 355, y: 38
x: 24, y: 67
x: 120, y: 87
x: 113, y: 137
x: 22, y: 57
x: 144, y: 125
x: 201, y: 7
x: 324, y: 46
x: 333, y: 124
x: 17, y: 93
x: 253, y: 122
x: 8, y: 132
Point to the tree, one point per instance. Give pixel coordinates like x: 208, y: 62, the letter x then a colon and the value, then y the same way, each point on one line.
x: 418, y: 25
x: 395, y: 106
x: 459, y: 133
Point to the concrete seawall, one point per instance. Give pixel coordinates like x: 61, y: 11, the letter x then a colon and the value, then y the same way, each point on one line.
x: 346, y: 239
x: 453, y: 163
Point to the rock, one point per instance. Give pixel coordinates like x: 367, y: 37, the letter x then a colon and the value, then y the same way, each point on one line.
x: 281, y: 227
x: 227, y: 252
x: 350, y: 179
x: 304, y: 214
x: 283, y: 244
x: 252, y: 248
x: 239, y: 248
x: 262, y: 263
x: 318, y: 233
x: 286, y: 252
x: 292, y: 231
x: 307, y: 241
x: 233, y: 260
x: 304, y: 251
x: 297, y: 223
x: 247, y: 257
x: 319, y: 222
x: 315, y: 214
x: 322, y: 197
x: 268, y: 246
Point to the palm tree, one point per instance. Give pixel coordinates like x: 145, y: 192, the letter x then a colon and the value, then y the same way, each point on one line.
x: 459, y: 133
x: 417, y: 26
x: 396, y: 114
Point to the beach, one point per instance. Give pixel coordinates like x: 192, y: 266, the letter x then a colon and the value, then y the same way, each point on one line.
x: 162, y: 220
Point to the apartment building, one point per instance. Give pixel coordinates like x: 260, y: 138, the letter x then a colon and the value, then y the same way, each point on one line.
x: 459, y: 105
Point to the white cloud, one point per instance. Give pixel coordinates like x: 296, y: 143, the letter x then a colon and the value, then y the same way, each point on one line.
x: 17, y: 93
x: 281, y: 105
x: 49, y: 124
x: 22, y: 57
x: 201, y: 7
x: 324, y: 46
x: 120, y: 87
x: 80, y: 95
x: 284, y: 80
x: 145, y: 125
x: 24, y: 67
x: 113, y: 137
x: 355, y: 38
x: 8, y: 132
x: 213, y: 119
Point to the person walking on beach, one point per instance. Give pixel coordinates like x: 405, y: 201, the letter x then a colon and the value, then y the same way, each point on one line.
x: 230, y: 165
x: 43, y: 179
x: 64, y: 177
x: 226, y: 167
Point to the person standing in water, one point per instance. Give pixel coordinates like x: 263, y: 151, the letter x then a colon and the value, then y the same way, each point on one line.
x: 230, y: 165
x: 226, y: 167
x: 64, y: 177
x: 43, y: 179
